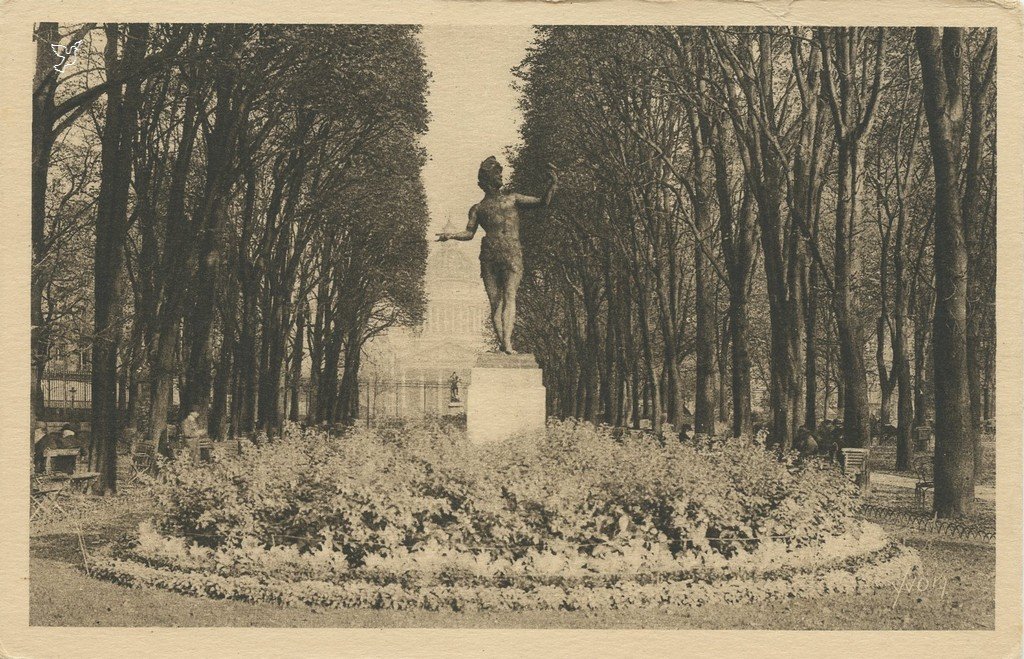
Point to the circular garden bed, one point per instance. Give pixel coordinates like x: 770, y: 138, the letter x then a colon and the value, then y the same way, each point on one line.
x: 577, y: 518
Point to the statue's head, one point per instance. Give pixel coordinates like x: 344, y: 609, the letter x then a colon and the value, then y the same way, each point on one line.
x: 489, y: 175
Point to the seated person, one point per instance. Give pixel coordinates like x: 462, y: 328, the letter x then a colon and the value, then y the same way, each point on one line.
x: 805, y: 442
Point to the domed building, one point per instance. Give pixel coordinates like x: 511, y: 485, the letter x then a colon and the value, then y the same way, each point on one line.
x: 408, y: 371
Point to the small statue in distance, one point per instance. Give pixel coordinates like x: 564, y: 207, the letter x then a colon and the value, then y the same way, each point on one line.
x: 453, y: 383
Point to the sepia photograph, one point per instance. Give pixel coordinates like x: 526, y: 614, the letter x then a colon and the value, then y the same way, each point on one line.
x: 513, y: 326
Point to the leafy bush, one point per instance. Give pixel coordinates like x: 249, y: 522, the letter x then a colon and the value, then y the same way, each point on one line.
x: 883, y: 568
x: 576, y: 495
x: 575, y: 518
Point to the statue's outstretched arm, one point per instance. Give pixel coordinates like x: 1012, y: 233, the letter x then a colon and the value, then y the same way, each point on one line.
x: 466, y: 234
x: 526, y: 201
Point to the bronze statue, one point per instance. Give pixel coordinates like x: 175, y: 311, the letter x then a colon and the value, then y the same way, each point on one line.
x: 453, y: 385
x: 501, y: 254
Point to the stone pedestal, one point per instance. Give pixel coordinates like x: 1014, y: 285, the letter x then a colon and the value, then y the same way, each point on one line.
x: 506, y: 397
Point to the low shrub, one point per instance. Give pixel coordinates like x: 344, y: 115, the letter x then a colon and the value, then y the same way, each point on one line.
x: 883, y: 568
x: 427, y: 564
x: 574, y: 493
x: 577, y: 517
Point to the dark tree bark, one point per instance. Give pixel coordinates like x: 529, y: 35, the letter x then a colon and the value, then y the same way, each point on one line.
x: 941, y: 54
x: 900, y: 341
x: 722, y: 363
x: 737, y: 230
x: 707, y: 313
x: 217, y: 425
x: 768, y: 173
x: 117, y: 138
x: 172, y: 285
x: 905, y: 406
x: 592, y: 349
x: 348, y: 396
x: 295, y: 376
x: 886, y: 376
x: 221, y: 171
x: 811, y: 349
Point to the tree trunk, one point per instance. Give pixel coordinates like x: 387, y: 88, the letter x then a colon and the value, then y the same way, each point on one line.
x: 246, y: 367
x: 704, y: 403
x: 296, y: 363
x: 900, y: 349
x: 886, y: 380
x: 111, y: 230
x: 42, y: 147
x: 811, y: 350
x: 161, y: 377
x: 905, y: 407
x: 217, y: 425
x: 652, y: 399
x: 922, y: 381
x: 941, y: 53
x: 348, y: 404
x: 722, y: 362
x: 850, y: 333
x: 272, y: 361
x: 737, y: 232
x: 328, y: 390
x: 781, y: 264
x: 592, y: 343
x: 982, y: 70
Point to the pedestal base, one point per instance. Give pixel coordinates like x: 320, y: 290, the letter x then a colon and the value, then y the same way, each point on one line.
x: 506, y: 397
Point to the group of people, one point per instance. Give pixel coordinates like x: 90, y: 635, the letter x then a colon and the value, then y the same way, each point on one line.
x: 826, y: 439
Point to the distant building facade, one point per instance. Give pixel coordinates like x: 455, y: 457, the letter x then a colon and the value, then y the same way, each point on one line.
x: 408, y: 371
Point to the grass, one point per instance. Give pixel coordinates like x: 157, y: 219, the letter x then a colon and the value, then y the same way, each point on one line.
x: 955, y: 591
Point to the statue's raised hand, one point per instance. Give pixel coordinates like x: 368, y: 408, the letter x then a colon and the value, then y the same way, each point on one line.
x: 442, y: 237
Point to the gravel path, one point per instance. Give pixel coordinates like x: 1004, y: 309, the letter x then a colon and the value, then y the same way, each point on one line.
x: 985, y: 492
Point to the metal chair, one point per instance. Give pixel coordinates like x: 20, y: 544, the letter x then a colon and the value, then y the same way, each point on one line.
x: 854, y: 462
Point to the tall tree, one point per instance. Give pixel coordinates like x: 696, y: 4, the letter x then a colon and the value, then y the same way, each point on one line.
x: 119, y: 130
x: 942, y: 61
x: 852, y: 90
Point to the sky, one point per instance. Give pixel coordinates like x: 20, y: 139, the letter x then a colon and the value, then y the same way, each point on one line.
x: 474, y: 112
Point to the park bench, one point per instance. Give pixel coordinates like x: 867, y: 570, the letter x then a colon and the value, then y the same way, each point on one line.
x: 925, y: 479
x: 197, y: 449
x: 924, y: 440
x: 854, y: 462
x: 60, y: 460
x: 204, y: 448
x: 62, y: 465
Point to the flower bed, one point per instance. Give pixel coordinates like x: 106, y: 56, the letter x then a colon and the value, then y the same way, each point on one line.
x: 576, y: 518
x: 393, y: 591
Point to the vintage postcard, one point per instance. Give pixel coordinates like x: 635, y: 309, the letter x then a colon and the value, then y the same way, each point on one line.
x: 486, y: 328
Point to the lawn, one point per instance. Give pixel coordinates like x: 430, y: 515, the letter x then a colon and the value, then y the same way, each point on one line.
x: 955, y: 591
